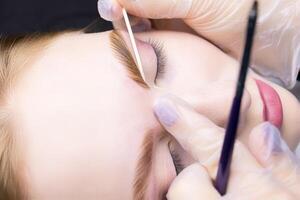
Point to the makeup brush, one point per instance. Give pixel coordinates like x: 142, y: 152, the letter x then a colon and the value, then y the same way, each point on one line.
x: 232, y: 126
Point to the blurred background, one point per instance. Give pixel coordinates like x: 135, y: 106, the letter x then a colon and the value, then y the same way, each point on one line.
x: 19, y: 17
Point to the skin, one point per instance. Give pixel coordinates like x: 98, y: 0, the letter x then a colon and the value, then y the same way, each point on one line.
x: 276, y: 45
x: 82, y: 120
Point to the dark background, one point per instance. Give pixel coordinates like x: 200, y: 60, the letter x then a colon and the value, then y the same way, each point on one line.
x: 27, y: 16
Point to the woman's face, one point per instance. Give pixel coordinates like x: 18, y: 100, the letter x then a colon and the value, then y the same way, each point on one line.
x: 89, y: 131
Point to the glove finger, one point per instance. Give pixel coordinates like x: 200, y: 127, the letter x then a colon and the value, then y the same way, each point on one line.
x: 155, y: 9
x: 192, y: 183
x: 109, y: 9
x: 273, y: 153
x: 200, y: 137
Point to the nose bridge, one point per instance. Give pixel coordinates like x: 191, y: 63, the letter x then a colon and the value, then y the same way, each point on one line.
x: 215, y: 101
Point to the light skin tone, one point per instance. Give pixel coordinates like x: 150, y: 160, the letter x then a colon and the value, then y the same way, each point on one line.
x: 84, y: 120
x: 273, y: 173
x: 276, y: 45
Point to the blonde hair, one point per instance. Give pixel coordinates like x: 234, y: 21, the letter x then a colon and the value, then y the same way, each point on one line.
x: 15, y: 54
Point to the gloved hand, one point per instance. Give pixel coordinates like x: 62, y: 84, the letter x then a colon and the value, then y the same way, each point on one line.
x: 268, y: 171
x: 276, y: 52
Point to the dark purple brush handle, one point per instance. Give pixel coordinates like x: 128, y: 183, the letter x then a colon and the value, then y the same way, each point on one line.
x: 232, y: 126
x: 227, y: 150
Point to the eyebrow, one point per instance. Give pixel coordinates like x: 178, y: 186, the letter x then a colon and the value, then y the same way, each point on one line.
x: 145, y: 160
x: 144, y: 164
x: 122, y: 53
x: 143, y: 167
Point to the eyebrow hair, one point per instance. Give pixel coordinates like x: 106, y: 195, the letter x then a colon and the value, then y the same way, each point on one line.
x: 143, y: 167
x: 123, y: 54
x: 144, y: 164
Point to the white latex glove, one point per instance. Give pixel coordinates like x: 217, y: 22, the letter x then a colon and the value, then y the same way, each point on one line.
x: 277, y: 45
x: 268, y: 171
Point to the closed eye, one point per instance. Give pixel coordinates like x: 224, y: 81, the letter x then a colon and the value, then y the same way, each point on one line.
x: 161, y: 59
x: 177, y: 161
x: 124, y: 55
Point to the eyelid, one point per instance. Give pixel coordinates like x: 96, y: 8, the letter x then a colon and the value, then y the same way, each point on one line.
x: 177, y: 161
x: 123, y: 54
x: 161, y: 58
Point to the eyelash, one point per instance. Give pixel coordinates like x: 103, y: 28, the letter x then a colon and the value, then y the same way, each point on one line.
x: 161, y: 58
x: 178, y: 166
x: 177, y: 162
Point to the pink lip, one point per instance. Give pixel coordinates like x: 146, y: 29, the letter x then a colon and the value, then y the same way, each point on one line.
x: 272, y: 104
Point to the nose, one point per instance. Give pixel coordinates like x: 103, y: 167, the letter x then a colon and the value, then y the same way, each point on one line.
x: 214, y: 101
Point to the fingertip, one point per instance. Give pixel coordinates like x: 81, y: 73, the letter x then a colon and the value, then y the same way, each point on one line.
x: 166, y: 111
x: 265, y: 141
x: 109, y: 10
x: 176, y: 113
x: 256, y: 142
x: 193, y: 182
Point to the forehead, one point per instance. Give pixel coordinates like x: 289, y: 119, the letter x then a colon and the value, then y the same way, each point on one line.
x: 75, y: 106
x: 77, y: 69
